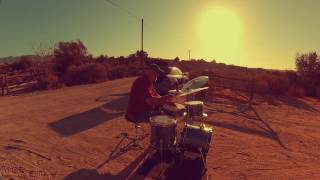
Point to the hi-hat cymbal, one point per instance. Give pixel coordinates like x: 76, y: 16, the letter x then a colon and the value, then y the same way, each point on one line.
x: 192, y: 91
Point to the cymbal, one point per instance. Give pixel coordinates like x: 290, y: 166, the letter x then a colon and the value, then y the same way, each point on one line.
x: 195, y: 83
x: 192, y: 91
x: 175, y: 73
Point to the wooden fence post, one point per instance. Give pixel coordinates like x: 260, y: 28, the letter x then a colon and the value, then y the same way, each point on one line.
x: 1, y: 85
x: 6, y: 83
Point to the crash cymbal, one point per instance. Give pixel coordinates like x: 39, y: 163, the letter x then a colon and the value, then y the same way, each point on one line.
x: 195, y: 83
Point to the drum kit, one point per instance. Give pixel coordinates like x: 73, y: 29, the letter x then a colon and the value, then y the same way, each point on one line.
x: 195, y: 136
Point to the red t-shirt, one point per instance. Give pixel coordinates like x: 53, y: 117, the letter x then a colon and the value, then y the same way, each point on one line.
x: 141, y: 89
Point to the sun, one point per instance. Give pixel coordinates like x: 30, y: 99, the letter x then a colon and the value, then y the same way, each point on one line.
x: 220, y: 34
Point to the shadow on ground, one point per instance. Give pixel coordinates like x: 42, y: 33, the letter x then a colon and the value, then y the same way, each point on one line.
x: 171, y: 167
x: 94, y: 174
x: 89, y: 119
x: 148, y: 165
x: 297, y: 103
x: 264, y: 129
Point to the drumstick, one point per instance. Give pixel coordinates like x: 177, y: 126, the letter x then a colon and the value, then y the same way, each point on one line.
x: 192, y: 91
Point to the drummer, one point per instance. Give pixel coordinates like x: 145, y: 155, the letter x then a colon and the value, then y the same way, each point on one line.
x: 144, y: 99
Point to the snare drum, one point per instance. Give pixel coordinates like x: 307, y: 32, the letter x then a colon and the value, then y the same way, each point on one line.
x: 196, y: 136
x: 194, y: 108
x: 176, y: 110
x: 163, y: 132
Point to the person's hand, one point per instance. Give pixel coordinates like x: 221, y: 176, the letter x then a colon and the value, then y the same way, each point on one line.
x: 170, y: 103
x: 168, y: 97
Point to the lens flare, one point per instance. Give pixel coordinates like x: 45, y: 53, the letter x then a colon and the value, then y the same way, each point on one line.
x: 220, y: 34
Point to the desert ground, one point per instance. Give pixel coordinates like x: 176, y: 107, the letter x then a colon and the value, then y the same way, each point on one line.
x: 80, y: 133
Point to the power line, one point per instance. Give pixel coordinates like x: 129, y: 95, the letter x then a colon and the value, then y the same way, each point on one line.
x: 123, y: 9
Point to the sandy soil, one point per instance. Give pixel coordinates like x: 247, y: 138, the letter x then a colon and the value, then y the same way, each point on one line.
x: 79, y: 133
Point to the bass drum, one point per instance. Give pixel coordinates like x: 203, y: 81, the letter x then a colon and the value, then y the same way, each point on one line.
x: 163, y: 132
x: 196, y: 137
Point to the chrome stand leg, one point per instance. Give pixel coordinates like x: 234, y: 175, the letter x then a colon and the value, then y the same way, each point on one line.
x: 136, y: 139
x: 203, y: 160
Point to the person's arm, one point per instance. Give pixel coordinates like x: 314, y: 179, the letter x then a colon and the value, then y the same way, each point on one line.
x: 158, y: 100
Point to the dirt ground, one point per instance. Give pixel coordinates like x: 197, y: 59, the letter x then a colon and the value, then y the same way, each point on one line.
x: 80, y: 133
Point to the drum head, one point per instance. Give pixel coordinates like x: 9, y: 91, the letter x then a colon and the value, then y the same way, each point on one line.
x: 162, y: 120
x: 194, y: 103
x: 174, y: 108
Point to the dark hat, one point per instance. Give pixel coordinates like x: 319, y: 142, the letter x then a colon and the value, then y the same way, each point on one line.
x: 156, y: 68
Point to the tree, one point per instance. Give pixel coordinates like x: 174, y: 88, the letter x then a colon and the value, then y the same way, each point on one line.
x: 142, y: 55
x: 308, y: 68
x: 308, y: 64
x: 69, y: 53
x: 177, y: 59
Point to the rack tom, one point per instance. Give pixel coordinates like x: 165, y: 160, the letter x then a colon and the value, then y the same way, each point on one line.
x: 194, y: 108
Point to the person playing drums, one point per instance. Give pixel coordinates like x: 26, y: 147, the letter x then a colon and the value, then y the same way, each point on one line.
x: 144, y: 99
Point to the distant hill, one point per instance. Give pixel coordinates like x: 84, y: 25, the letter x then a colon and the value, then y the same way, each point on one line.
x: 9, y: 59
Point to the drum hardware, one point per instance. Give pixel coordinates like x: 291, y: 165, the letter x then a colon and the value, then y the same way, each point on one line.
x: 175, y: 111
x: 197, y: 120
x: 195, y: 136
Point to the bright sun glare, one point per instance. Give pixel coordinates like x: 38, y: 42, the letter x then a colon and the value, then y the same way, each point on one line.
x: 220, y: 34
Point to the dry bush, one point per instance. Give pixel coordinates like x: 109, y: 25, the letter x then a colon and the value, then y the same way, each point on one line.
x: 261, y: 86
x: 117, y: 72
x: 124, y: 70
x: 67, y: 54
x: 318, y: 91
x: 271, y: 83
x: 49, y: 81
x: 296, y: 92
x: 24, y: 63
x: 279, y: 85
x: 44, y: 75
x: 85, y: 73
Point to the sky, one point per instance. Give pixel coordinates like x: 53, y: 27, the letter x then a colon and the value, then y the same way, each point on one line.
x: 252, y: 33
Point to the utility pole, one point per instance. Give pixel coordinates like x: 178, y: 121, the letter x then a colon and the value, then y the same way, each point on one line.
x: 142, y: 34
x: 189, y: 51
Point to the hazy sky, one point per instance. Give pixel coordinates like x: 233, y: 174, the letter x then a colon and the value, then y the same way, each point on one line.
x: 254, y: 33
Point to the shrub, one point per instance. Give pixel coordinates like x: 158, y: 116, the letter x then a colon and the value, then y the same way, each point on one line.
x: 49, y: 81
x: 279, y: 85
x: 296, y: 92
x: 67, y: 54
x: 85, y: 73
x: 24, y: 63
x: 117, y: 72
x: 261, y: 86
x: 318, y: 91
